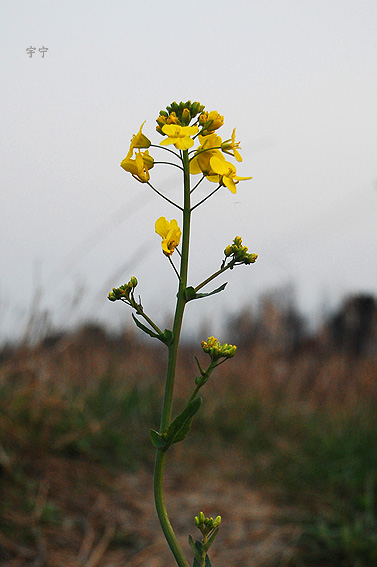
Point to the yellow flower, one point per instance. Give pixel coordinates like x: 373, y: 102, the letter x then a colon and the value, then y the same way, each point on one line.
x: 214, y: 121
x: 139, y: 166
x: 227, y: 173
x: 179, y: 136
x: 170, y: 234
x: 210, y: 146
x: 231, y: 145
x: 140, y: 140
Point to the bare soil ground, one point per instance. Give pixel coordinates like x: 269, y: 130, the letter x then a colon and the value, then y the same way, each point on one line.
x: 107, y: 518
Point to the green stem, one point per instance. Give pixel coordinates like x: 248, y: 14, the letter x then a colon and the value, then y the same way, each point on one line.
x: 148, y: 320
x: 171, y: 369
x: 198, y: 287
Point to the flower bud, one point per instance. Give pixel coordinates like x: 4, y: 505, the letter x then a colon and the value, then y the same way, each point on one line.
x: 172, y: 119
x: 217, y: 521
x: 214, y: 121
x: 161, y: 120
x: 228, y: 251
x: 186, y: 116
x: 203, y: 118
x: 196, y: 108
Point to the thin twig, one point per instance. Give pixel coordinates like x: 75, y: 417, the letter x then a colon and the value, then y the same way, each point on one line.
x: 205, y: 198
x: 163, y: 196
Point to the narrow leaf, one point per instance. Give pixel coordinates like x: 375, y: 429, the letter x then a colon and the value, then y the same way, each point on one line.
x: 208, y: 562
x: 180, y: 426
x: 192, y: 544
x: 217, y: 290
x: 199, y: 548
x: 144, y: 328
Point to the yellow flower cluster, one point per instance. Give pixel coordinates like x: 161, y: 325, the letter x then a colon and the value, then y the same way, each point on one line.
x: 123, y: 292
x: 240, y: 253
x: 208, y: 158
x: 216, y: 350
x: 206, y: 525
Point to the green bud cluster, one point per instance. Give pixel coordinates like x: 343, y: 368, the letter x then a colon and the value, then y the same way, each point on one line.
x: 216, y: 350
x: 206, y: 525
x: 239, y: 253
x: 124, y: 292
x: 178, y: 113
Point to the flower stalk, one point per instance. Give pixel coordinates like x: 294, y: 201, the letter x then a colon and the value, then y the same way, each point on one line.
x: 208, y: 160
x: 171, y: 370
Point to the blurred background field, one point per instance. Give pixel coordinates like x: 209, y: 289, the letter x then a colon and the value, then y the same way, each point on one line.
x: 284, y: 447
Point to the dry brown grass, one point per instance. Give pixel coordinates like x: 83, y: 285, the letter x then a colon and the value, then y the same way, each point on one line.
x: 65, y: 510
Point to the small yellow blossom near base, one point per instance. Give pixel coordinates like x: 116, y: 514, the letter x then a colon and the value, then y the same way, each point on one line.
x: 170, y: 234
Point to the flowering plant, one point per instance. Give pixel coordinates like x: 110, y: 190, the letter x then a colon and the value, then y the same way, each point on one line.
x: 181, y: 125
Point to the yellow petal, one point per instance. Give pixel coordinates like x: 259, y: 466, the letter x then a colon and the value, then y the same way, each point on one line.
x: 129, y: 165
x: 218, y: 165
x: 189, y: 130
x: 237, y: 155
x: 184, y: 143
x: 168, y: 141
x: 194, y: 166
x: 162, y: 227
x: 140, y: 140
x: 237, y: 178
x: 228, y: 182
x: 172, y: 130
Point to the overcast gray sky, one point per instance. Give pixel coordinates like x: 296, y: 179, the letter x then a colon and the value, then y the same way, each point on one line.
x: 297, y: 78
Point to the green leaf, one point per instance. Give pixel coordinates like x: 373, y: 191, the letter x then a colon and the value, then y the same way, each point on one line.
x: 217, y: 290
x: 200, y: 368
x: 190, y: 293
x: 158, y: 440
x: 144, y: 328
x: 208, y: 562
x: 192, y: 544
x: 168, y: 337
x: 199, y: 548
x: 196, y: 563
x: 180, y: 426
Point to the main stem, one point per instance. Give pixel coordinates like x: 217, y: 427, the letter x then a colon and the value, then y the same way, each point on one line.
x: 171, y: 369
